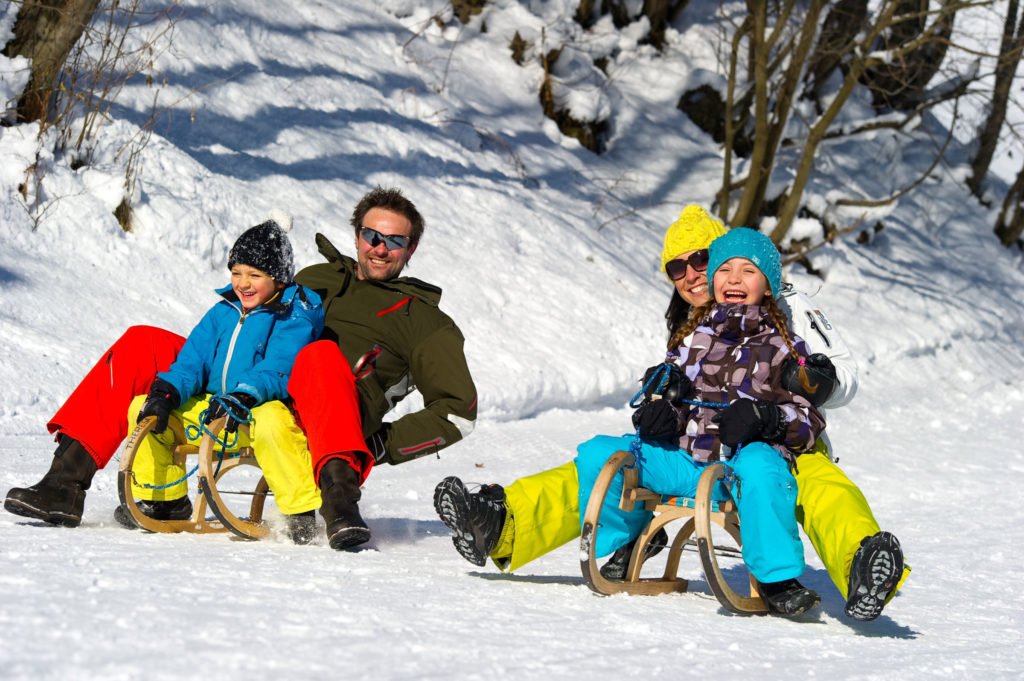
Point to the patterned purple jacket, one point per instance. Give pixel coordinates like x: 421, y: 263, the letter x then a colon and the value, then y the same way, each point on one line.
x: 737, y: 352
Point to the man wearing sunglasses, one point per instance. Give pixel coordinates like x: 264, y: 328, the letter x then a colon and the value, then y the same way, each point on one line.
x: 384, y: 336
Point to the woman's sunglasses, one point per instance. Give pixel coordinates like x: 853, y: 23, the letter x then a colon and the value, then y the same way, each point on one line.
x: 676, y: 269
x: 392, y: 242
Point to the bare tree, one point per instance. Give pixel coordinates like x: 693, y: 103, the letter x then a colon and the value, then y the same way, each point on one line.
x: 1010, y: 223
x: 45, y: 31
x: 1010, y: 49
x: 778, y: 46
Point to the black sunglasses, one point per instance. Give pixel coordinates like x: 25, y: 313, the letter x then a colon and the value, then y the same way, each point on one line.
x: 676, y: 269
x: 392, y: 242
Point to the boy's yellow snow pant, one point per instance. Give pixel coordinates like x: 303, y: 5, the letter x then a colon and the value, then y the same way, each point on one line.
x: 544, y: 514
x: 278, y: 442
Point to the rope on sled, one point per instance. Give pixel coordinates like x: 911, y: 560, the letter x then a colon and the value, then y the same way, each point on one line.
x: 196, y: 432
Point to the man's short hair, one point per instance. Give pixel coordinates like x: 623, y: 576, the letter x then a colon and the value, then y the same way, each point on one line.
x: 389, y: 199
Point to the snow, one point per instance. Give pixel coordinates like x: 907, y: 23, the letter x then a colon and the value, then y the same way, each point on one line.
x: 548, y: 256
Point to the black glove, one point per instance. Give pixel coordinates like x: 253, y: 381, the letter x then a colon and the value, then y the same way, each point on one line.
x: 162, y: 399
x: 377, y: 443
x: 821, y: 374
x: 676, y: 385
x: 656, y: 421
x: 235, y: 406
x: 746, y: 421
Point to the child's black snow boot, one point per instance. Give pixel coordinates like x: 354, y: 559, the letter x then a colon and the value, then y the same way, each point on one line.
x: 616, y: 567
x: 788, y: 598
x: 301, y: 527
x: 874, y: 573
x: 339, y: 489
x: 59, y: 498
x: 476, y: 518
x: 171, y: 509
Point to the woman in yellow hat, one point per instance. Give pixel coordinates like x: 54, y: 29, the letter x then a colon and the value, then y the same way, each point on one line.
x: 536, y: 514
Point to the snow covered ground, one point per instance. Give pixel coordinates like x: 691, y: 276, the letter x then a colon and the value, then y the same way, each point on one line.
x: 548, y: 258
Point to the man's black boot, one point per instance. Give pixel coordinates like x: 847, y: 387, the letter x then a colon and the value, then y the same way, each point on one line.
x: 171, y: 509
x: 617, y: 566
x: 476, y: 518
x: 788, y: 598
x: 339, y: 489
x: 59, y: 497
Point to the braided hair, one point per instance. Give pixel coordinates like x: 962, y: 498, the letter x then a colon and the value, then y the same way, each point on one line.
x: 680, y: 328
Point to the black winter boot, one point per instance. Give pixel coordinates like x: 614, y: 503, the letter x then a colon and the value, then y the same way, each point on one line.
x: 301, y: 527
x: 617, y: 566
x: 339, y: 489
x: 476, y: 518
x: 171, y: 509
x: 875, y: 570
x: 788, y: 598
x: 59, y: 497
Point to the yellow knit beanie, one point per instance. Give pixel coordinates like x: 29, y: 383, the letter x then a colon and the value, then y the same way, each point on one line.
x: 695, y: 229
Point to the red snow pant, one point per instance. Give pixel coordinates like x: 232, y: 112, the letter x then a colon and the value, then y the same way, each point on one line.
x: 96, y: 412
x: 323, y: 392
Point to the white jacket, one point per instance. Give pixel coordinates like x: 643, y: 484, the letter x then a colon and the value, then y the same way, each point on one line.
x: 811, y: 324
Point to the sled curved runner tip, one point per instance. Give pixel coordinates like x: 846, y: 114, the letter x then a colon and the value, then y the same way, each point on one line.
x: 698, y: 514
x: 209, y: 496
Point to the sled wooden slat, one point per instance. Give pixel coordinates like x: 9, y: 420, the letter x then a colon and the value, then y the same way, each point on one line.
x: 209, y: 476
x: 697, y: 513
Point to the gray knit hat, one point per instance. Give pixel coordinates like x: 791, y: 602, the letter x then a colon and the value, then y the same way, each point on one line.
x: 267, y: 248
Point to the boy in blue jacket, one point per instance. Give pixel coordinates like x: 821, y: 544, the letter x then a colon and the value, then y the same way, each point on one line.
x: 237, y: 360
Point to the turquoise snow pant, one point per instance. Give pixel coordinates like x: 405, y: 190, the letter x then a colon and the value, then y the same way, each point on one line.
x: 764, y: 489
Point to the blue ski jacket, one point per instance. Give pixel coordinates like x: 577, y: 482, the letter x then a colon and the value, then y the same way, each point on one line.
x: 231, y: 350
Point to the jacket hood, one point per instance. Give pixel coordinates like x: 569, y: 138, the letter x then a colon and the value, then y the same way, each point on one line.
x: 409, y: 286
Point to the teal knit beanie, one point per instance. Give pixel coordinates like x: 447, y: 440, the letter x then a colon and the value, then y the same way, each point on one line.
x: 743, y: 242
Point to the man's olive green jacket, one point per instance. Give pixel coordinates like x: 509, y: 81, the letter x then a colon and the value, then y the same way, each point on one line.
x: 396, y: 340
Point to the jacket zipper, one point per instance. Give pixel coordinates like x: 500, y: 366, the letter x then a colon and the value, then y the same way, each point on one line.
x: 231, y: 351
x: 814, y: 325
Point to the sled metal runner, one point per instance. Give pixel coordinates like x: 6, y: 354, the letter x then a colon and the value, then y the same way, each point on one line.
x: 212, y: 469
x: 698, y: 515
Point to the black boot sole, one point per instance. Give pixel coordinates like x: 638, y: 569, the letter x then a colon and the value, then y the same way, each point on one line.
x: 348, y: 538
x: 875, y: 577
x: 52, y: 517
x: 452, y: 506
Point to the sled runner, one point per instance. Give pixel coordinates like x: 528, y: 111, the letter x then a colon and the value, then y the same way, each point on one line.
x: 698, y: 514
x: 213, y: 465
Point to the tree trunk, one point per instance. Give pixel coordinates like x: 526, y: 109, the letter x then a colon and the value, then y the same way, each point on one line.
x: 1010, y: 224
x: 45, y: 31
x: 988, y: 135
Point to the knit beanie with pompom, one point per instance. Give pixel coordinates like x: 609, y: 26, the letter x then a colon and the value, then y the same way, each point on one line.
x: 267, y: 248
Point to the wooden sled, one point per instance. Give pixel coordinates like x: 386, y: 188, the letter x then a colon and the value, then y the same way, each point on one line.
x: 211, y: 470
x: 698, y: 514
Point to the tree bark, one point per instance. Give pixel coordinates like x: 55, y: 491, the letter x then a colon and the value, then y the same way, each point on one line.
x: 45, y: 31
x: 988, y: 135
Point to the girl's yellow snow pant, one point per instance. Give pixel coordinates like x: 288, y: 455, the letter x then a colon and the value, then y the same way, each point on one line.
x: 277, y: 440
x: 834, y: 514
x: 544, y: 514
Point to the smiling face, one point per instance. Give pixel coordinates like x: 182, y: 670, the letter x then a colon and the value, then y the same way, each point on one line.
x: 739, y: 281
x: 252, y: 286
x: 693, y: 286
x: 377, y: 263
